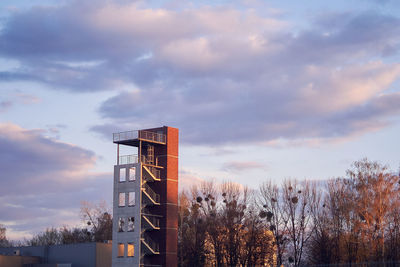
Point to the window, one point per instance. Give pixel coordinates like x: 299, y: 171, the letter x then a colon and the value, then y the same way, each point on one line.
x: 121, y: 250
x: 122, y: 175
x: 131, y: 199
x: 131, y: 224
x: 121, y: 200
x: 132, y: 174
x: 131, y: 250
x: 121, y: 224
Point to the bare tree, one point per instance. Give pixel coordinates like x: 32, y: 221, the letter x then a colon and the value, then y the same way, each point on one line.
x: 192, y: 229
x: 75, y: 235
x: 297, y: 200
x: 98, y: 218
x: 376, y: 193
x: 215, y: 228
x: 3, y: 238
x: 258, y: 247
x: 233, y: 214
x: 363, y: 213
x: 272, y: 212
x: 49, y: 237
x: 320, y: 249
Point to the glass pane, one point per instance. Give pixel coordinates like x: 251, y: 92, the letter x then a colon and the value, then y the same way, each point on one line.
x: 121, y: 250
x: 131, y: 224
x: 121, y: 200
x: 122, y: 174
x: 132, y: 174
x: 121, y: 223
x: 131, y: 199
x: 131, y: 250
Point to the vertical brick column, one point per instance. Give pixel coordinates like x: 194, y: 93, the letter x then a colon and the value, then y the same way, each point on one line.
x: 169, y: 204
x: 167, y: 236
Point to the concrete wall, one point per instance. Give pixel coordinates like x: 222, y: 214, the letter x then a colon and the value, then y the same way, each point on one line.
x: 17, y: 261
x: 103, y: 255
x: 79, y: 255
x: 125, y: 212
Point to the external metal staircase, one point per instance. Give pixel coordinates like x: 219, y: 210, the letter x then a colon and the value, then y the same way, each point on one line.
x: 150, y: 222
x: 151, y: 174
x: 150, y: 247
x: 152, y: 196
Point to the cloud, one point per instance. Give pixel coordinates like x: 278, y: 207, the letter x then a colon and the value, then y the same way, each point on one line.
x: 43, y: 180
x: 222, y: 74
x: 316, y: 85
x: 84, y: 47
x: 106, y: 130
x: 5, y: 105
x: 324, y: 104
x: 239, y: 166
x: 188, y: 179
x: 28, y: 98
x: 40, y: 159
x: 25, y: 99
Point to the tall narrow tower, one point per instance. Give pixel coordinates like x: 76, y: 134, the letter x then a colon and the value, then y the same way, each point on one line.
x: 145, y: 205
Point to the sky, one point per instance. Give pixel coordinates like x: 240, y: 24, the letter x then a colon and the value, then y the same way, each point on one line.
x: 260, y: 90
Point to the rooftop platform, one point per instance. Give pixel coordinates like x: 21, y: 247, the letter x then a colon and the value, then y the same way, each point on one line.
x: 132, y: 138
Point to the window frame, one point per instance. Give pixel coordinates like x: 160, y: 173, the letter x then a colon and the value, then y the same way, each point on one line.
x: 120, y: 199
x: 121, y: 245
x: 122, y: 178
x: 130, y: 244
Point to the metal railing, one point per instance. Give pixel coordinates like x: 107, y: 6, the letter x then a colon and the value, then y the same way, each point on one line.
x: 151, y: 244
x: 145, y: 135
x: 128, y: 135
x: 128, y: 159
x: 145, y: 160
x: 152, y: 220
x: 151, y: 136
x: 153, y: 195
x: 154, y: 171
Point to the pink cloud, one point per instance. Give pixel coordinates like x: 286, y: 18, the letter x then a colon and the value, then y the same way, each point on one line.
x: 43, y: 181
x: 239, y: 166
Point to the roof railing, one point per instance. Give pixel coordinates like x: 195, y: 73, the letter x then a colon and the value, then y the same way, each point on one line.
x: 128, y: 135
x: 139, y: 134
x: 151, y: 136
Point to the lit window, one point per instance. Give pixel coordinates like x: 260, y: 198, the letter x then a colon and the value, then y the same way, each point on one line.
x: 121, y: 200
x: 132, y: 174
x: 131, y: 250
x: 121, y: 250
x: 131, y: 199
x: 131, y: 224
x: 121, y: 224
x: 122, y: 174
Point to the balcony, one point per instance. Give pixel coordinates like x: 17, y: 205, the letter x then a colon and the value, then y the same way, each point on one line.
x: 130, y: 137
x: 128, y: 159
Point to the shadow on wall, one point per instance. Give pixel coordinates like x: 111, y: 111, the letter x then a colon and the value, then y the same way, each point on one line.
x: 77, y: 255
